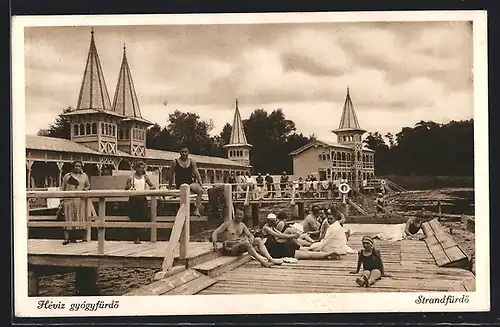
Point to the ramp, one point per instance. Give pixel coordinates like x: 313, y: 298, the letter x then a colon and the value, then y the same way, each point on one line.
x: 357, y: 207
x: 185, y: 282
x: 443, y: 248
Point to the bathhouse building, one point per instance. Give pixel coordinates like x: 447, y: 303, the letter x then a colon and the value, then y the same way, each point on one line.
x: 111, y: 136
x: 345, y: 159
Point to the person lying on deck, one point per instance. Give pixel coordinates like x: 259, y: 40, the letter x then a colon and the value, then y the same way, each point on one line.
x: 413, y: 226
x: 373, y: 267
x: 283, y: 245
x: 237, y: 240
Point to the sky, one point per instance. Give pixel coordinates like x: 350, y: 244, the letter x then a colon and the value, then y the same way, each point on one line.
x: 398, y: 73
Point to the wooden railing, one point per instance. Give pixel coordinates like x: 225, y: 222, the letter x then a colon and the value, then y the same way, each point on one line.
x: 180, y: 232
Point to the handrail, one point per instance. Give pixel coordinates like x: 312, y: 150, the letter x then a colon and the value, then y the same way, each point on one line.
x: 98, y: 193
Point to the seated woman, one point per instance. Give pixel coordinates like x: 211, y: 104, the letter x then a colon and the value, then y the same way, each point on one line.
x: 283, y: 226
x: 373, y: 267
x: 335, y: 238
x: 279, y: 245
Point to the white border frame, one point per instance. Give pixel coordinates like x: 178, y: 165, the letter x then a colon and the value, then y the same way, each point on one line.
x: 255, y: 304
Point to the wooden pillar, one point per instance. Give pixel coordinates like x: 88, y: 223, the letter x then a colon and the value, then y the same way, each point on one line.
x: 88, y: 213
x: 154, y: 234
x: 32, y: 282
x: 87, y: 281
x: 99, y: 169
x: 29, y: 164
x: 301, y: 211
x: 439, y: 207
x: 60, y: 167
x: 101, y: 236
x: 295, y: 210
x: 228, y: 198
x: 185, y: 197
x: 255, y: 214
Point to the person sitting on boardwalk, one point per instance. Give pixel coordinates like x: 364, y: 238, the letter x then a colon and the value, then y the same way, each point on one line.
x: 336, y: 236
x: 325, y: 224
x: 373, y: 267
x: 280, y: 245
x: 184, y: 170
x: 138, y: 208
x: 413, y: 226
x: 311, y: 225
x: 237, y: 240
x: 74, y: 208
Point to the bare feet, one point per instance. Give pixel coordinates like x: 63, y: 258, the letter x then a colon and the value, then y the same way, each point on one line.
x: 334, y: 256
x: 360, y: 281
x: 266, y: 264
x: 367, y: 283
x: 277, y: 261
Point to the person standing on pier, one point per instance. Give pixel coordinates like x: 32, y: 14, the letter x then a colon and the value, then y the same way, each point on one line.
x: 284, y: 183
x: 186, y: 172
x: 74, y: 208
x: 138, y: 209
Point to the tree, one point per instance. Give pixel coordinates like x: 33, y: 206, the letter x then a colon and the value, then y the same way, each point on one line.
x: 61, y: 128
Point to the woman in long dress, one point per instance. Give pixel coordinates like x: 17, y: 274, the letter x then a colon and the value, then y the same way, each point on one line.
x: 74, y: 208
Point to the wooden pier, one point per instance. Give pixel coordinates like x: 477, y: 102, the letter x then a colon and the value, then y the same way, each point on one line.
x: 195, y: 268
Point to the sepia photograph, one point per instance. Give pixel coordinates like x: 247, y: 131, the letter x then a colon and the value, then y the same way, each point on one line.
x: 322, y: 160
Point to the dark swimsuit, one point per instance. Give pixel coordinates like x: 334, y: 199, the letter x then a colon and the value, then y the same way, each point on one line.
x: 183, y: 175
x: 414, y: 228
x: 373, y: 261
x: 279, y: 250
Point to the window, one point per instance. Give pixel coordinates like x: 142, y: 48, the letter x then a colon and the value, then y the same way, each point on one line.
x: 75, y: 129
x: 113, y: 129
x: 94, y: 128
x: 82, y: 129
x: 87, y: 129
x: 121, y: 134
x: 102, y: 128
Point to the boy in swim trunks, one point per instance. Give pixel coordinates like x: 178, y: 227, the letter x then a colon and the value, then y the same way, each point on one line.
x: 237, y: 240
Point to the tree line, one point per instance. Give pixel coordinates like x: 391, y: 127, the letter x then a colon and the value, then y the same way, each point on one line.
x: 428, y: 148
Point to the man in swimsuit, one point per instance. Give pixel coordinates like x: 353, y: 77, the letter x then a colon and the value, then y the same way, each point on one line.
x: 184, y: 170
x: 237, y: 240
x: 311, y: 224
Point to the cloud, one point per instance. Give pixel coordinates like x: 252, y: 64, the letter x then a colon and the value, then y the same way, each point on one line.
x: 397, y: 72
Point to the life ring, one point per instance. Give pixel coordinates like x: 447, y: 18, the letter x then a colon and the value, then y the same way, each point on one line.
x: 383, y: 182
x: 344, y: 188
x: 325, y: 185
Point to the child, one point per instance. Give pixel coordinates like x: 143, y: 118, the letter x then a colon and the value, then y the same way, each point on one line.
x: 373, y: 267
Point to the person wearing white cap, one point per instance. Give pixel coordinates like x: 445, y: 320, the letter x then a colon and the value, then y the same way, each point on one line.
x: 237, y: 239
x: 279, y: 246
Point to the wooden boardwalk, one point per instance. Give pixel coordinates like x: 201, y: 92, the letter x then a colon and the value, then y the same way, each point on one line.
x: 120, y: 254
x: 410, y: 264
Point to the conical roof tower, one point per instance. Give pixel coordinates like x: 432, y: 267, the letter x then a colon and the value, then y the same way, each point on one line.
x: 349, y: 129
x: 93, y: 122
x: 238, y: 147
x: 132, y: 130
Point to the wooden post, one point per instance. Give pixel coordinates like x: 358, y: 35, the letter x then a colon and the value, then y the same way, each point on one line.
x: 439, y: 207
x: 301, y: 210
x: 86, y: 281
x: 228, y: 214
x: 185, y: 200
x: 255, y: 214
x: 154, y: 234
x: 88, y: 210
x: 101, y: 236
x: 32, y: 283
x: 295, y: 211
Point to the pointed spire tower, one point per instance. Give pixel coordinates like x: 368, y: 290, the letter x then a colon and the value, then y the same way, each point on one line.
x: 350, y: 133
x: 238, y: 149
x: 132, y: 129
x: 93, y: 123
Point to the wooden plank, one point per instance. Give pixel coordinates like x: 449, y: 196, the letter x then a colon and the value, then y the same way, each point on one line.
x: 161, y: 219
x: 181, y: 276
x: 96, y: 224
x: 221, y: 265
x: 174, y: 238
x: 193, y: 287
x: 455, y: 254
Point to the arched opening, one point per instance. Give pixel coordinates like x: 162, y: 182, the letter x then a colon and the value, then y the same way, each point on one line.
x: 124, y: 165
x: 94, y: 128
x: 102, y: 128
x: 88, y: 130
x: 75, y: 130
x: 82, y: 129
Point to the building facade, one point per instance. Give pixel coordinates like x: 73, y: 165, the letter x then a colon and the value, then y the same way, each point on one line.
x: 109, y: 136
x: 347, y: 159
